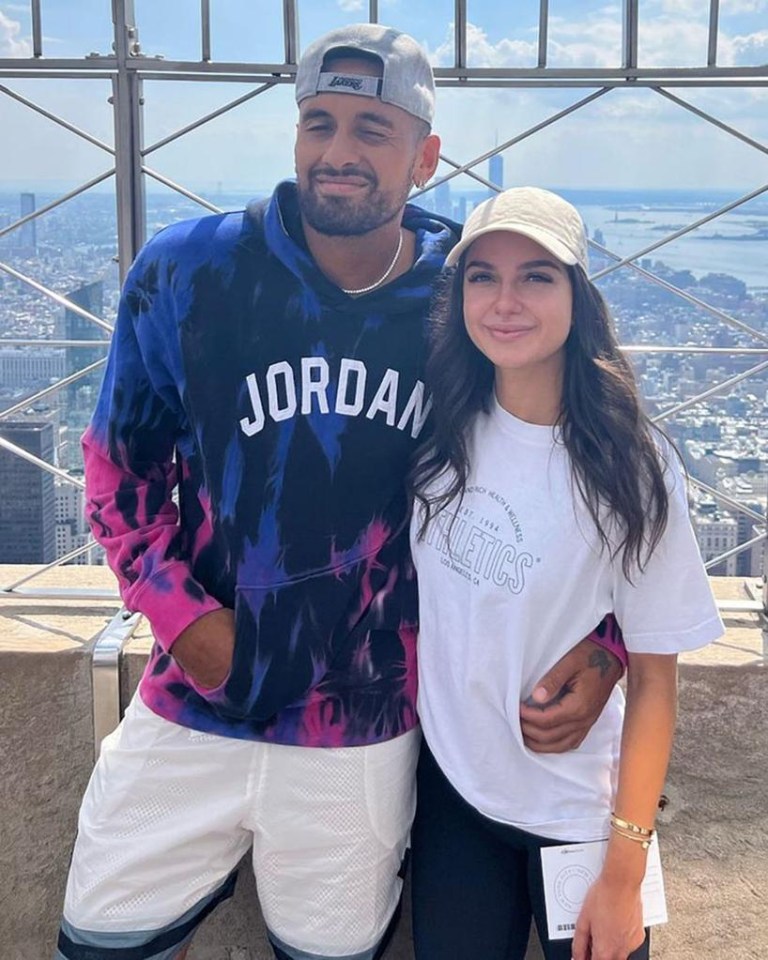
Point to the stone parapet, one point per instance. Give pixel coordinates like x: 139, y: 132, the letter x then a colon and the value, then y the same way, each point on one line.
x: 714, y: 833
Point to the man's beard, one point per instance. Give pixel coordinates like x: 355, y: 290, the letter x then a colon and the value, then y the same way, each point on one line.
x: 345, y: 217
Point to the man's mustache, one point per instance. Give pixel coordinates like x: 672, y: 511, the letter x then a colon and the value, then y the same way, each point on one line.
x: 346, y: 172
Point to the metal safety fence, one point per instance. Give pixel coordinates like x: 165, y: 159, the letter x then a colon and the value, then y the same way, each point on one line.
x: 126, y: 68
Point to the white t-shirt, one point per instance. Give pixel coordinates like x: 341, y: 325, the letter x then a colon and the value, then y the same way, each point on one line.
x: 523, y: 580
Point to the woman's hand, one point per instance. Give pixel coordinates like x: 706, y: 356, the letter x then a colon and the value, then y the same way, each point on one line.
x: 610, y: 925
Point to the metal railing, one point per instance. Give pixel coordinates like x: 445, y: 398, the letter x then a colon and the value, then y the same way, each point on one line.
x: 127, y: 67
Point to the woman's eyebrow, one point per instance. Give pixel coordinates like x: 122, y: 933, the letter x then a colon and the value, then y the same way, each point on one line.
x: 555, y: 264
x: 480, y: 263
x: 528, y: 265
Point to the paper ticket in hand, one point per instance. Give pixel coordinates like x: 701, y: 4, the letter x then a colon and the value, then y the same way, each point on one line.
x: 570, y: 870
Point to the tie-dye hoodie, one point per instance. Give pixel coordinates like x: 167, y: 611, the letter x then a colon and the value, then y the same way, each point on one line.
x: 285, y: 412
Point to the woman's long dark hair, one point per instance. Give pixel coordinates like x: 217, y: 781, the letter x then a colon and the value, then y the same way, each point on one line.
x: 610, y: 440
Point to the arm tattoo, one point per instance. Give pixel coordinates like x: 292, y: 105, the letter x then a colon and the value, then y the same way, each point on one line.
x: 601, y: 660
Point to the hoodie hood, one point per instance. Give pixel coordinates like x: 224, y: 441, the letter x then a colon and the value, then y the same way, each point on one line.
x: 284, y: 237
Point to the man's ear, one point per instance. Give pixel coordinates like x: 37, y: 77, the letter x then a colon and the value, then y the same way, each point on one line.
x: 429, y: 156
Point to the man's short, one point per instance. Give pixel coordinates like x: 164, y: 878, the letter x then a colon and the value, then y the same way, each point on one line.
x: 169, y: 812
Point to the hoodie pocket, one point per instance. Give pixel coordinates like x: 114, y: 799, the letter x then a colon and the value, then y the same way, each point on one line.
x: 288, y: 634
x: 286, y: 637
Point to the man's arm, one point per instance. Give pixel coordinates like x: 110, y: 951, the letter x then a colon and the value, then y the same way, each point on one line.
x: 129, y: 470
x: 570, y: 697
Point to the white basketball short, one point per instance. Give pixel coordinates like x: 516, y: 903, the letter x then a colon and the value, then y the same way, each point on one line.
x: 169, y: 812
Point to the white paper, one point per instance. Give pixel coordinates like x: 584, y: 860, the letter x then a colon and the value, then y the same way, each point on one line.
x: 570, y: 870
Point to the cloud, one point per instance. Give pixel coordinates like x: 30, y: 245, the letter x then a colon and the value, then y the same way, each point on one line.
x: 482, y: 52
x: 629, y: 137
x: 350, y: 6
x: 596, y: 41
x: 11, y: 44
x: 745, y: 6
x: 621, y: 105
x: 686, y: 7
x: 695, y: 8
x: 749, y: 50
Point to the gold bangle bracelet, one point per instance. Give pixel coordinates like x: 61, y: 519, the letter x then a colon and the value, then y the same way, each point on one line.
x: 632, y: 827
x: 644, y: 842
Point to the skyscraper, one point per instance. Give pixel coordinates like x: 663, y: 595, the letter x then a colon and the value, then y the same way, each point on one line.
x: 28, y: 233
x: 91, y: 298
x: 28, y: 503
x: 496, y: 172
x: 78, y: 398
x: 443, y: 203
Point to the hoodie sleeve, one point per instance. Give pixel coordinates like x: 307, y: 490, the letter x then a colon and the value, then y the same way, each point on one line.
x: 607, y: 634
x: 128, y: 450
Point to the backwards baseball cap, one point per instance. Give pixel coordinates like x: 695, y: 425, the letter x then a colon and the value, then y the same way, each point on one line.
x: 541, y: 215
x: 406, y: 81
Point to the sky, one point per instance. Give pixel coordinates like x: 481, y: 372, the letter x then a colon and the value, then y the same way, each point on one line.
x: 629, y: 138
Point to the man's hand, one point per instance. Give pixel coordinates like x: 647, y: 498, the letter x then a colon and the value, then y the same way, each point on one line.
x: 567, y: 701
x: 204, y: 650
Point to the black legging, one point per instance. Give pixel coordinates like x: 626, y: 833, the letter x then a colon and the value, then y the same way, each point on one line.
x: 476, y: 883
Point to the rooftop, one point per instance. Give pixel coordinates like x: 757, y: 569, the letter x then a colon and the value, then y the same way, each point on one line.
x: 714, y: 833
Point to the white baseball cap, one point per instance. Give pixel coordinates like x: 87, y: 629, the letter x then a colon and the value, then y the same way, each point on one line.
x: 539, y: 214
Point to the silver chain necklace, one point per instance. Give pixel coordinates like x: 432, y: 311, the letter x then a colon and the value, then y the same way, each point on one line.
x: 383, y: 277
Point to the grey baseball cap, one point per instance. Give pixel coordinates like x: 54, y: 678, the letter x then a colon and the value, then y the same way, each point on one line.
x: 406, y: 81
x: 539, y: 214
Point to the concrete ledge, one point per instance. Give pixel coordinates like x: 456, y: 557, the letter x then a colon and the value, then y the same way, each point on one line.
x: 714, y: 833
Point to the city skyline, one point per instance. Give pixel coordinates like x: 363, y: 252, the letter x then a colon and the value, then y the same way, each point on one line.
x: 641, y: 166
x: 722, y: 441
x: 629, y: 136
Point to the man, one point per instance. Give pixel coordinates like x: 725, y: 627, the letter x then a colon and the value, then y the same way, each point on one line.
x: 269, y: 366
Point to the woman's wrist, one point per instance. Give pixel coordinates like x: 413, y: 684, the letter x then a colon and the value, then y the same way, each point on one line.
x: 625, y: 862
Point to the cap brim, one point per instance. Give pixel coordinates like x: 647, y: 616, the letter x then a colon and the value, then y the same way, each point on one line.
x: 552, y: 244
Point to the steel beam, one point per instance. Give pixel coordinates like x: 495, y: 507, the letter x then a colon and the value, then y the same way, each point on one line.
x: 290, y: 33
x: 41, y: 342
x: 629, y: 35
x: 205, y: 30
x: 37, y: 29
x: 61, y: 593
x: 460, y: 34
x: 683, y: 231
x: 466, y: 167
x: 128, y: 118
x: 41, y: 464
x: 728, y: 501
x: 543, y: 32
x: 64, y: 382
x: 712, y: 392
x: 52, y: 295
x: 206, y: 119
x: 151, y: 67
x: 750, y: 141
x: 57, y: 119
x: 178, y: 188
x: 684, y: 295
x: 714, y: 17
x: 57, y: 202
x: 734, y: 552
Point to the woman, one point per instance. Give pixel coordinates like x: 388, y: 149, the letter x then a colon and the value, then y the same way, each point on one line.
x: 544, y: 499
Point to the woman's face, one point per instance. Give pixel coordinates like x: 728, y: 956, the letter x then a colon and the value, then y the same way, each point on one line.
x: 518, y: 306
